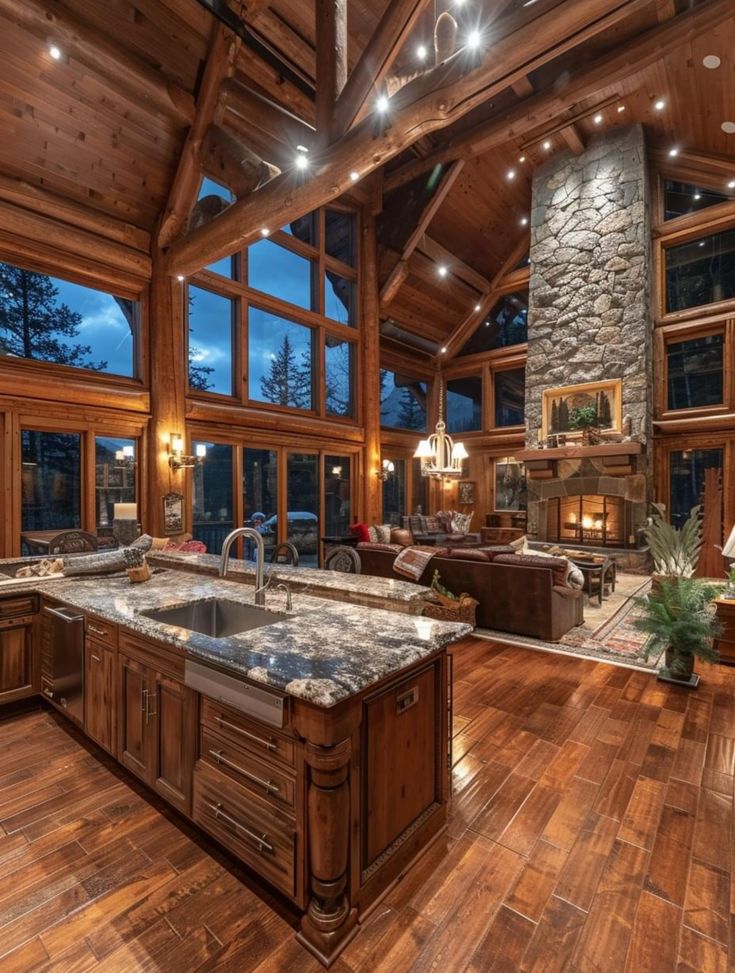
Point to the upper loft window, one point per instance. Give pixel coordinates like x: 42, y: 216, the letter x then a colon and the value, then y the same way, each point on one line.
x: 52, y: 320
x: 700, y: 272
x: 402, y: 401
x: 464, y: 404
x: 339, y: 233
x: 505, y: 325
x: 682, y: 198
x: 226, y: 266
x: 280, y: 272
x: 696, y: 372
x: 211, y: 320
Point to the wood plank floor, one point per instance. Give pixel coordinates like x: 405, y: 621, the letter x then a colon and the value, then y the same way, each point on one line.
x: 591, y: 831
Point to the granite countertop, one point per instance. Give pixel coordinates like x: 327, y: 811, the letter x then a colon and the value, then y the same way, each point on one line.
x: 314, y: 579
x: 324, y: 653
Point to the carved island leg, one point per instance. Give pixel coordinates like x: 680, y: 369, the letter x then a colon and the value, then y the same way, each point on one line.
x: 329, y: 922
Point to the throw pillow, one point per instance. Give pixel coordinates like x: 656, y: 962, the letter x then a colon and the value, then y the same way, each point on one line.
x: 431, y: 524
x: 468, y: 554
x: 383, y: 532
x: 401, y: 536
x: 444, y: 518
x: 520, y: 544
x: 372, y: 535
x: 461, y: 523
x: 361, y: 531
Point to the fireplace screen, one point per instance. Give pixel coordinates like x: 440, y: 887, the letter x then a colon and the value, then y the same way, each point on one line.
x: 594, y: 520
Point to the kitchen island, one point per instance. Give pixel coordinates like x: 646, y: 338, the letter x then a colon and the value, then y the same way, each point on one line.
x: 313, y: 747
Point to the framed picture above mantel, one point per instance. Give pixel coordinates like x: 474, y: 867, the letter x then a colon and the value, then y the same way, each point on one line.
x: 559, y: 405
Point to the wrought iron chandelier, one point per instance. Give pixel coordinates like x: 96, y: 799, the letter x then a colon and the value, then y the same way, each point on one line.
x: 440, y: 456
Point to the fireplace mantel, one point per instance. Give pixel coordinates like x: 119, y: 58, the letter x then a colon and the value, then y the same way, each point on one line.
x: 579, y: 452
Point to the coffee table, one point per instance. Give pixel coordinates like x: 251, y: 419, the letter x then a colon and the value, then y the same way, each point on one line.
x: 596, y: 573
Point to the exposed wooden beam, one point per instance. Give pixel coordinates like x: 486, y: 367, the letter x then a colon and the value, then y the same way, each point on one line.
x: 331, y: 64
x: 545, y: 107
x: 37, y: 200
x: 264, y: 125
x: 376, y: 60
x: 665, y: 10
x: 705, y: 162
x: 182, y: 195
x: 572, y: 138
x: 456, y: 267
x: 232, y: 164
x: 427, y: 104
x: 129, y: 75
x: 522, y: 87
x: 485, y: 304
x: 393, y: 284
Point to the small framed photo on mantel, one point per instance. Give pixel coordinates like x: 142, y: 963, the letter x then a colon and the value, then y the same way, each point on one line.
x: 173, y: 514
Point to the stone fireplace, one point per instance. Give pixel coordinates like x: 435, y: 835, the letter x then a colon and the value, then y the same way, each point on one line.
x: 590, y: 321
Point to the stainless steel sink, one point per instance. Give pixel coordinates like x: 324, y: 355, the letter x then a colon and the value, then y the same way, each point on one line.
x: 216, y: 617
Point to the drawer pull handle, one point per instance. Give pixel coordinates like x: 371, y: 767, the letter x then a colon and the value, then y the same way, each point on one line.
x: 144, y: 703
x: 268, y: 744
x: 49, y: 693
x: 149, y: 713
x: 260, y: 840
x: 96, y: 631
x: 270, y: 786
x: 96, y: 658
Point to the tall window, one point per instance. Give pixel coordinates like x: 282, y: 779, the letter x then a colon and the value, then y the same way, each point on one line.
x: 211, y: 321
x: 402, y: 401
x: 695, y: 372
x: 700, y: 272
x: 217, y: 198
x: 464, y: 404
x: 339, y: 376
x: 682, y: 198
x: 282, y: 273
x: 687, y: 469
x: 510, y: 389
x: 280, y: 361
x: 337, y: 510
x: 213, y: 499
x: 51, y: 481
x: 302, y: 517
x: 505, y: 325
x: 52, y: 320
x: 114, y: 475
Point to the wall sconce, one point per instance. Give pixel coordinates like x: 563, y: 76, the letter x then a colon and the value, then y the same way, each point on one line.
x: 125, y: 457
x: 178, y: 459
x: 386, y: 470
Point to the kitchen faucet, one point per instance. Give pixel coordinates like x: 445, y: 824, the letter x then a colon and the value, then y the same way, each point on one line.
x: 255, y: 535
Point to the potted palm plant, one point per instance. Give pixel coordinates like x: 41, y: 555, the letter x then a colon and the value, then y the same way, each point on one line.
x: 680, y: 620
x: 675, y: 550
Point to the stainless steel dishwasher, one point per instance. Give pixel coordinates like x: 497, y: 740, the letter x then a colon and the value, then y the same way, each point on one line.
x: 67, y: 659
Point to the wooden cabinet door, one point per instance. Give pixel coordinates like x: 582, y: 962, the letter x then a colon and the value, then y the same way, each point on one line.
x: 173, y: 727
x: 99, y: 698
x: 16, y: 660
x: 134, y: 746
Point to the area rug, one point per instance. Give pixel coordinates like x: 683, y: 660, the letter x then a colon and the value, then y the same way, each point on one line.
x: 607, y: 634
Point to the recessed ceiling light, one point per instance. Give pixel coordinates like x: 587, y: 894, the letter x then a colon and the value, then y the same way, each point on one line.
x: 265, y: 231
x: 354, y: 176
x: 621, y: 108
x: 731, y: 184
x: 522, y: 158
x: 421, y: 52
x: 673, y: 152
x: 728, y: 128
x: 510, y: 174
x: 382, y: 103
x: 444, y: 350
x: 478, y: 307
x: 179, y: 278
x: 597, y: 119
x: 711, y: 61
x: 697, y: 196
x: 659, y: 105
x: 54, y: 52
x: 547, y: 145
x: 524, y: 221
x: 474, y: 39
x: 701, y: 243
x: 301, y: 161
x: 442, y: 270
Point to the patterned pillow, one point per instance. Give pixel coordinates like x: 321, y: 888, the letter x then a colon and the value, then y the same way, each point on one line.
x: 430, y: 524
x: 413, y: 523
x: 444, y: 517
x: 461, y: 522
x: 373, y: 535
x: 383, y: 532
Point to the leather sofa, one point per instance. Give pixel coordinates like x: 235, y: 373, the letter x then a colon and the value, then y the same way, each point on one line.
x: 512, y: 598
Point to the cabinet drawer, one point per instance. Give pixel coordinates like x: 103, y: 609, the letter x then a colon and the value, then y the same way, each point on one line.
x: 264, y: 778
x: 101, y: 631
x: 238, y: 729
x: 14, y: 607
x: 250, y: 828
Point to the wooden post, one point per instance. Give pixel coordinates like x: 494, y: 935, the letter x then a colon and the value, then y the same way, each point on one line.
x: 331, y: 63
x: 372, y: 497
x: 329, y: 918
x: 168, y: 390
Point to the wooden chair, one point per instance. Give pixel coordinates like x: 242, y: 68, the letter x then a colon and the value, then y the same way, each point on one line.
x: 72, y: 542
x: 344, y: 559
x: 285, y: 553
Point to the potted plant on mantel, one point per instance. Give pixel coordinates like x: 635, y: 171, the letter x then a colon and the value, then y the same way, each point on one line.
x: 680, y: 619
x: 585, y: 417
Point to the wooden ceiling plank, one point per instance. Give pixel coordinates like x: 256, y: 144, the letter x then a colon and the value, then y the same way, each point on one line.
x: 456, y: 267
x: 522, y: 87
x: 393, y: 284
x: 183, y: 192
x: 376, y: 60
x: 546, y: 106
x: 97, y: 51
x: 331, y: 64
x: 573, y: 139
x: 427, y: 104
